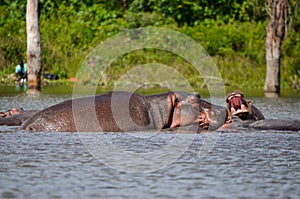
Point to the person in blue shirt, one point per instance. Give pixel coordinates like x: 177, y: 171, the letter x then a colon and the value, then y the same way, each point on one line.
x: 21, y: 72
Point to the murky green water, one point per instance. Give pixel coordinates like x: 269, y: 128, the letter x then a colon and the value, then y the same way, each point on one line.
x: 67, y: 89
x: 259, y: 164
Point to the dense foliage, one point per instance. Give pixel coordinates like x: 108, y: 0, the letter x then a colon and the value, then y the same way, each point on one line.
x: 232, y: 31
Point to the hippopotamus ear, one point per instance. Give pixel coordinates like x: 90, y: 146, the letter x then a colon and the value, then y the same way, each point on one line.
x: 197, y: 94
x: 249, y: 104
x: 254, y: 112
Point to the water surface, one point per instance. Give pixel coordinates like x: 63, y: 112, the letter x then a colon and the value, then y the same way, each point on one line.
x: 249, y: 164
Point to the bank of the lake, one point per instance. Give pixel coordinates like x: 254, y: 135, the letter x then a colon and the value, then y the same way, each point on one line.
x: 67, y: 88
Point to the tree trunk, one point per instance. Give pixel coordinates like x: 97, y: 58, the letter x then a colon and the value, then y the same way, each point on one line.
x: 34, y: 53
x: 275, y: 35
x: 124, y: 5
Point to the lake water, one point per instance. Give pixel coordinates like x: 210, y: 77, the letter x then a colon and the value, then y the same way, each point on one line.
x: 257, y: 164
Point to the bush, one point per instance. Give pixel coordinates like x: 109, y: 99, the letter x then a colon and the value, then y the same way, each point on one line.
x: 232, y: 33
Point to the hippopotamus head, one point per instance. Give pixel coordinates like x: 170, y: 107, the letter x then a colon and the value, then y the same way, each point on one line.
x: 211, y: 116
x: 192, y: 109
x: 186, y: 109
x: 238, y: 106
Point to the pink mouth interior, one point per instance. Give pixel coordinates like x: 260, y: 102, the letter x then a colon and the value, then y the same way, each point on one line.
x: 236, y: 105
x: 203, y: 120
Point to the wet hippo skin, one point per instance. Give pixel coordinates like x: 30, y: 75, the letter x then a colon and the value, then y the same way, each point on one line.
x: 276, y: 124
x: 122, y: 111
x: 267, y: 124
x: 211, y: 116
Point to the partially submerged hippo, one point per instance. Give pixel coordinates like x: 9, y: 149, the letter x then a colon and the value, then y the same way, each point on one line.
x: 237, y: 124
x: 122, y: 111
x: 242, y: 114
x: 15, y: 117
x: 133, y: 112
x: 237, y: 105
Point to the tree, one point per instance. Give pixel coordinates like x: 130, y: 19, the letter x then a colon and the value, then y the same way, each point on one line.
x: 34, y: 52
x: 276, y: 31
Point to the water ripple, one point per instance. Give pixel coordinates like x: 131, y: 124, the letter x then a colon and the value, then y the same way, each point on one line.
x: 259, y: 164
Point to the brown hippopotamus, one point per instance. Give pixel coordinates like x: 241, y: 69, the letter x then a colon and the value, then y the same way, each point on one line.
x: 15, y: 117
x: 237, y: 105
x: 242, y: 114
x: 123, y: 111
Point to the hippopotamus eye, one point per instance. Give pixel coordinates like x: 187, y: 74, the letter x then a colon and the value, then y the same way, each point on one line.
x: 192, y: 101
x: 196, y: 100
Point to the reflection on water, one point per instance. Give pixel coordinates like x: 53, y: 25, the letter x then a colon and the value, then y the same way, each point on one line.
x: 261, y: 164
x: 21, y: 87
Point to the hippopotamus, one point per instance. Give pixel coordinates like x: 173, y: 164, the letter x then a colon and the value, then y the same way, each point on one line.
x: 238, y: 124
x: 123, y: 112
x: 242, y: 114
x: 237, y: 105
x: 15, y: 117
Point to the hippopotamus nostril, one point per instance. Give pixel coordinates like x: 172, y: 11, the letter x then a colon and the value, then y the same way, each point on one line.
x: 30, y: 128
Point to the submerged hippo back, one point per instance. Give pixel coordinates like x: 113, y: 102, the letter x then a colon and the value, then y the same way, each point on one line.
x: 129, y: 113
x: 55, y: 118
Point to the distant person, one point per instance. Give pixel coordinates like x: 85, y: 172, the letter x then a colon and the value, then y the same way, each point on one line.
x: 21, y: 72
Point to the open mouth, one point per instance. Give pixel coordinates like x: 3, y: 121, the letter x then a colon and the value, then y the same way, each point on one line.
x: 203, y: 120
x: 236, y: 106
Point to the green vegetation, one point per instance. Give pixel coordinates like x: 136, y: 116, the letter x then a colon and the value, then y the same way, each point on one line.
x: 232, y: 32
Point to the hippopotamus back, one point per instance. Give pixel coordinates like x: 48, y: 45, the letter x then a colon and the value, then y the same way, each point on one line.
x: 115, y: 112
